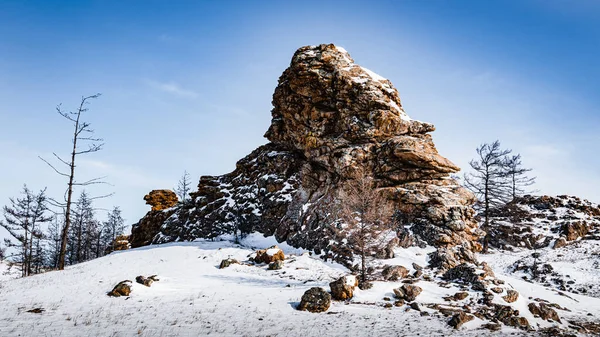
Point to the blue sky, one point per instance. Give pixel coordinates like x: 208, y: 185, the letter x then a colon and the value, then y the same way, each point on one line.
x: 187, y: 85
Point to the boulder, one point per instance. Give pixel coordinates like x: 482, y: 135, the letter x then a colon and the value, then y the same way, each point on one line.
x: 228, y: 262
x: 465, y: 273
x: 147, y: 281
x: 408, y: 292
x: 517, y: 322
x: 544, y: 311
x: 315, y: 300
x: 276, y: 265
x: 122, y: 288
x: 269, y: 255
x: 461, y: 295
x: 459, y: 319
x: 573, y: 230
x: 394, y: 273
x: 492, y: 326
x: 343, y: 288
x: 560, y: 242
x: 511, y: 296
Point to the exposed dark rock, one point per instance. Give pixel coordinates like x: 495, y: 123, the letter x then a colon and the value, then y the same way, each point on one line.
x: 394, y: 273
x: 407, y: 292
x: 315, y: 300
x: 228, y: 262
x: 461, y: 295
x: 343, y: 288
x: 123, y: 288
x: 276, y: 265
x: 511, y: 296
x: 459, y: 319
x: 147, y: 281
x: 544, y: 311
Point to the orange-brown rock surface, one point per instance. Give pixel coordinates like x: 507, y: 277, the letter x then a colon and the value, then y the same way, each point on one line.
x: 332, y: 118
x: 161, y: 199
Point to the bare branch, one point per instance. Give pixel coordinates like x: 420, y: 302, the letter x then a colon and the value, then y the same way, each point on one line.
x: 93, y: 182
x: 54, y: 168
x: 63, y: 161
x: 102, y: 196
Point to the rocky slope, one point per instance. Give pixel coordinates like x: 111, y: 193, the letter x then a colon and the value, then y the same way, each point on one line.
x: 331, y: 119
x: 535, y: 222
x: 553, y: 241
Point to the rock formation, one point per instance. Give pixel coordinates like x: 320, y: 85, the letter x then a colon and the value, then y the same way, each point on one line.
x: 161, y: 199
x: 162, y: 202
x: 331, y: 119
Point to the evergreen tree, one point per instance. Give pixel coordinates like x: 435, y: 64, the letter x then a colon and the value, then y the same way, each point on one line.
x: 53, y: 239
x: 83, y: 230
x: 23, y: 221
x: 112, y: 227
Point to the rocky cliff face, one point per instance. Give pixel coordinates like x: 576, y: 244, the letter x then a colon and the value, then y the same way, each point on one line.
x: 331, y: 119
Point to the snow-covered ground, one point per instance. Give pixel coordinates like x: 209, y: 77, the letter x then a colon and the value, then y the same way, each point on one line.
x: 7, y: 273
x: 575, y: 267
x: 195, y: 298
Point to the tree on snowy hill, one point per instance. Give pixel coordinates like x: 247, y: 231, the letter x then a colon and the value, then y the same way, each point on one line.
x: 517, y: 176
x: 53, y: 239
x: 112, y: 227
x: 365, y: 222
x: 497, y: 178
x: 23, y: 220
x: 82, y: 134
x: 85, y: 239
x: 184, y: 187
x: 489, y: 181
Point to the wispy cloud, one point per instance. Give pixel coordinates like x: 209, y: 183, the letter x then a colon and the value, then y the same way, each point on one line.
x: 172, y: 88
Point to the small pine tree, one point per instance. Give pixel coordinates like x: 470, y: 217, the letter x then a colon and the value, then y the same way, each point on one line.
x: 23, y: 220
x: 112, y: 227
x: 184, y: 187
x: 53, y: 239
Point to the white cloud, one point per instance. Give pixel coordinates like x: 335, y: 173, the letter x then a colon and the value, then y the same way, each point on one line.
x: 172, y: 88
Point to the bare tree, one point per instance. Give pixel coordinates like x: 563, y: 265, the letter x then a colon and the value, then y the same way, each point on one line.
x: 517, y: 176
x: 489, y: 181
x: 183, y: 187
x: 364, y: 220
x: 24, y: 218
x: 82, y: 134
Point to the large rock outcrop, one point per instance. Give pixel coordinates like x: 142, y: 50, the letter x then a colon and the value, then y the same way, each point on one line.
x: 162, y: 202
x: 331, y: 119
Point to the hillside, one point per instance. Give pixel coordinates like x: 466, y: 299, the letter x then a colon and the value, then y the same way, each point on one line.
x: 194, y: 297
x: 553, y: 241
